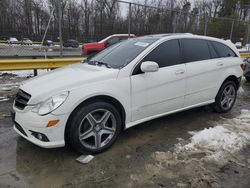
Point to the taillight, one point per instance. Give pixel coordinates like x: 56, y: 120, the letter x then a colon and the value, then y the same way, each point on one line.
x: 243, y: 66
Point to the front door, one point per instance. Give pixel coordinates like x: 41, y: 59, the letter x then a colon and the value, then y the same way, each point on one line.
x: 156, y: 93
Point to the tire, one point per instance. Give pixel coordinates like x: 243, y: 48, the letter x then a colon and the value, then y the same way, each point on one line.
x: 94, y: 127
x: 226, y: 97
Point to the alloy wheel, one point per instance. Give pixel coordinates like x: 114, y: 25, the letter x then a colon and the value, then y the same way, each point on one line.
x: 228, y: 97
x: 97, y: 128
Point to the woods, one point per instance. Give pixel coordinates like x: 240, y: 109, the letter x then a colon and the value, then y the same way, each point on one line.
x: 88, y: 20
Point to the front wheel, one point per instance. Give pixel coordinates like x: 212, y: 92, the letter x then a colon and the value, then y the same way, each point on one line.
x: 94, y: 127
x: 226, y: 97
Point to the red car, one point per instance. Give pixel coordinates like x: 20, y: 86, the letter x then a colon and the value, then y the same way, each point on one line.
x: 94, y: 47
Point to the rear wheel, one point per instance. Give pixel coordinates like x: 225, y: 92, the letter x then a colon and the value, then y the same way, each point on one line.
x: 226, y: 97
x: 94, y: 127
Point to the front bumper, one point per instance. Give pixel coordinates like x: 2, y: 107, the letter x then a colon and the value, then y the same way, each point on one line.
x: 27, y: 123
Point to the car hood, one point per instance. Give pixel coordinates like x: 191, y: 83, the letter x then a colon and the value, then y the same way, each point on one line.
x: 93, y: 44
x: 66, y: 79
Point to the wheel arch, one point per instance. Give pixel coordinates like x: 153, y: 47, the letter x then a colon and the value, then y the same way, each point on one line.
x: 234, y: 79
x: 104, y: 98
x: 217, y: 105
x: 231, y: 78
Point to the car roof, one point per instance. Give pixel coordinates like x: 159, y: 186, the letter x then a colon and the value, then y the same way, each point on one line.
x: 164, y: 36
x: 182, y: 35
x: 122, y: 35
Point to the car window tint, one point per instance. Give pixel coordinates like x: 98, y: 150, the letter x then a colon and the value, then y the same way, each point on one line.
x: 213, y: 53
x: 166, y: 54
x: 123, y: 38
x: 113, y: 40
x: 120, y: 54
x: 223, y: 50
x: 195, y: 50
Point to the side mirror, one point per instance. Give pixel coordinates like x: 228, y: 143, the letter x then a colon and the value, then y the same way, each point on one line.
x: 149, y: 66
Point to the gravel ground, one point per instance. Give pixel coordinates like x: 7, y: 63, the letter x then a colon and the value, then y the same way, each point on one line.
x: 167, y: 152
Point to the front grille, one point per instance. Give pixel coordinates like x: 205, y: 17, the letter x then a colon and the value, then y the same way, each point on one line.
x: 22, y: 98
x: 18, y: 127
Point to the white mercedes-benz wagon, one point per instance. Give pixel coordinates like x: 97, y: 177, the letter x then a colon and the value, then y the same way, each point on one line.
x: 88, y: 104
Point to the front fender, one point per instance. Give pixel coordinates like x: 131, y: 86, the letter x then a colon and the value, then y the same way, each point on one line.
x: 117, y: 89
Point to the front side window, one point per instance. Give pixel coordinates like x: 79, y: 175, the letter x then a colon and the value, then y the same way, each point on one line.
x: 166, y: 54
x: 195, y: 50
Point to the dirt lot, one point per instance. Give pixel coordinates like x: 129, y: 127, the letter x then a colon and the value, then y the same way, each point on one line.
x: 159, y: 153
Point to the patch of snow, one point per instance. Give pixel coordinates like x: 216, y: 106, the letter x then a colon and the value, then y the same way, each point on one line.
x: 241, y: 90
x: 5, y: 88
x: 2, y: 99
x: 25, y: 73
x: 215, y: 139
x: 225, y: 138
x: 9, y: 87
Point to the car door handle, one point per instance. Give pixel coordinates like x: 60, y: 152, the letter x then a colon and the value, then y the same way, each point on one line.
x: 181, y: 71
x: 220, y: 64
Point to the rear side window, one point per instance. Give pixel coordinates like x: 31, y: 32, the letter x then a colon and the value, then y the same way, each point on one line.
x: 166, y: 54
x: 113, y: 40
x: 195, y: 50
x: 213, y: 53
x: 223, y: 50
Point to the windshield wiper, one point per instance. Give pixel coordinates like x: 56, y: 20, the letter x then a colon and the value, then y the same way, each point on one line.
x: 99, y: 63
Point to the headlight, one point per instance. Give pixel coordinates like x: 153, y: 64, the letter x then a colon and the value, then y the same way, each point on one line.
x: 50, y: 104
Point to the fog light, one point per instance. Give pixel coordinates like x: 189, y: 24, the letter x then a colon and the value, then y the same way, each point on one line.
x: 39, y: 136
x: 52, y: 123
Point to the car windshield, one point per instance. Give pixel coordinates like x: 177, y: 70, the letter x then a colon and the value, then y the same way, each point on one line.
x: 121, y: 54
x: 105, y: 39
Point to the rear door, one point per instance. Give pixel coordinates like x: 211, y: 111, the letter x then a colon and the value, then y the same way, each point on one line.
x: 203, y: 71
x: 163, y: 91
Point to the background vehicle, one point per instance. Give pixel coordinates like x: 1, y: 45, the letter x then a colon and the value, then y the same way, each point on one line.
x: 71, y: 43
x: 88, y: 104
x: 12, y: 40
x: 94, y: 47
x: 26, y: 41
x: 48, y: 43
x: 238, y: 45
x: 247, y: 70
